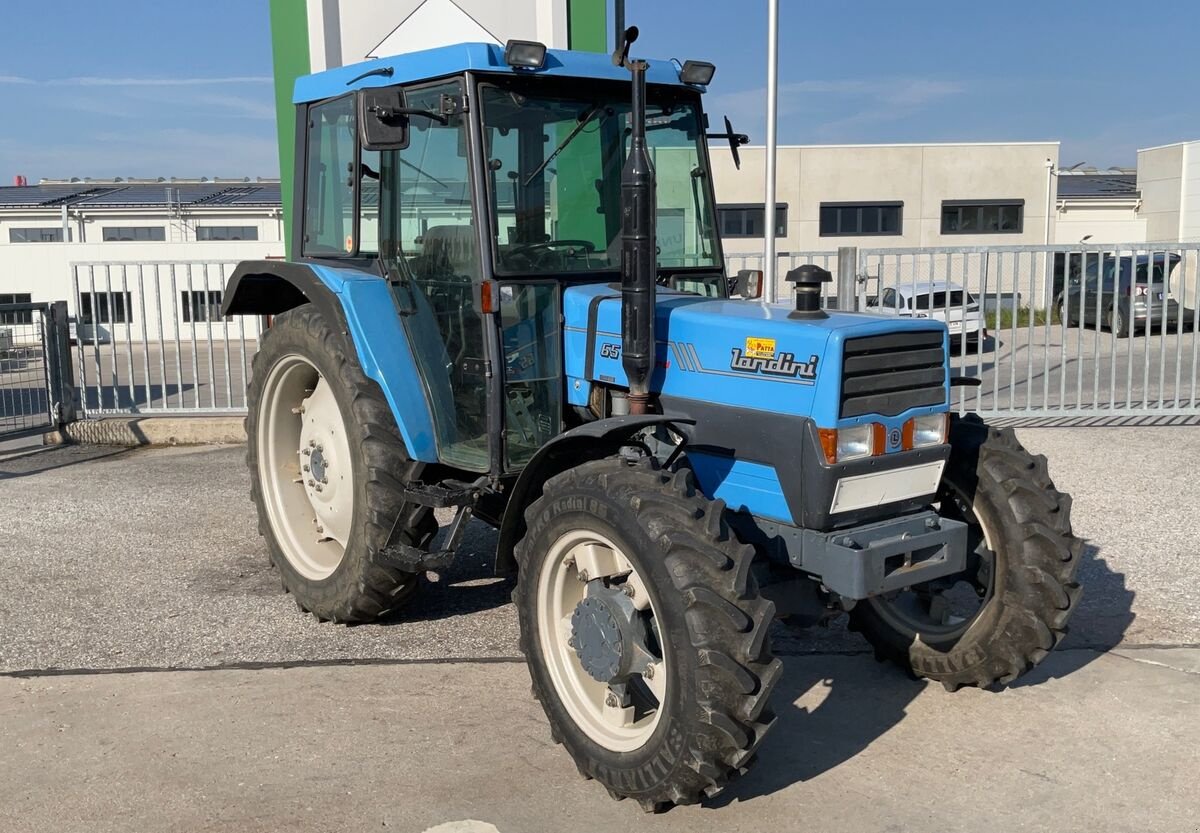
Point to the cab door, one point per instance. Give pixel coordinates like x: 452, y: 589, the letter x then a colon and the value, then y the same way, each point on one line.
x: 429, y: 246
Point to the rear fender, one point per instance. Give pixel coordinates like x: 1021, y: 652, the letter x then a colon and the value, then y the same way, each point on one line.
x: 592, y: 441
x: 361, y: 306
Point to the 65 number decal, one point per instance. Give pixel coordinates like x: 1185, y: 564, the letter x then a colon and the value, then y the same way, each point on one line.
x: 610, y: 351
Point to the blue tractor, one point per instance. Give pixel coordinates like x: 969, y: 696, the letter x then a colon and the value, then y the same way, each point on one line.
x: 505, y: 295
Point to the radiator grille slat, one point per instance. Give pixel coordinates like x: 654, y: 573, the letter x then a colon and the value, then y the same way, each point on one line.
x: 891, y: 373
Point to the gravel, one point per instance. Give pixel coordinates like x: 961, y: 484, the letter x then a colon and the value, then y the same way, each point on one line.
x: 150, y: 558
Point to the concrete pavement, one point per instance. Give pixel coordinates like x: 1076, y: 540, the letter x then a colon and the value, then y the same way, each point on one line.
x: 1090, y: 743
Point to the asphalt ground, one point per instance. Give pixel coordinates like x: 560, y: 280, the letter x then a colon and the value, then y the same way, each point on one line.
x: 123, y: 569
x: 151, y: 558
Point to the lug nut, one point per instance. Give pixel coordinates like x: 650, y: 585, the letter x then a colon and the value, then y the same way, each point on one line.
x: 311, y: 483
x: 318, y: 487
x: 648, y: 673
x: 628, y: 590
x: 611, y: 701
x: 583, y: 576
x: 305, y: 467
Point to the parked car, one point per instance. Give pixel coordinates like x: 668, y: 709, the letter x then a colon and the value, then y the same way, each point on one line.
x: 1125, y: 294
x: 939, y: 300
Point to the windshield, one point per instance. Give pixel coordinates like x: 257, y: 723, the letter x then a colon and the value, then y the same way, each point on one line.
x: 554, y: 164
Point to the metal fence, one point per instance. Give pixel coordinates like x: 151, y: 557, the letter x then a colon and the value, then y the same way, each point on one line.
x: 36, y: 390
x: 149, y: 338
x: 1090, y: 330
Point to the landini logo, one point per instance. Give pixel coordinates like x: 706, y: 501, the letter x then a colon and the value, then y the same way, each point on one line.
x: 783, y: 364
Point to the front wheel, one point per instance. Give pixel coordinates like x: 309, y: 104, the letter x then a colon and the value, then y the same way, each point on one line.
x: 644, y: 631
x: 1010, y: 607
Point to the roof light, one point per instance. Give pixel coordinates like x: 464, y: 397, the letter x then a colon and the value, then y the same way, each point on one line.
x: 525, y: 54
x: 697, y: 72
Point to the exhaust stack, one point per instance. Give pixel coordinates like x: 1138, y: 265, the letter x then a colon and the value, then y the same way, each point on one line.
x: 639, y: 256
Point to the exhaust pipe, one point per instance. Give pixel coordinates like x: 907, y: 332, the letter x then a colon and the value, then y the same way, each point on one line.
x: 639, y: 256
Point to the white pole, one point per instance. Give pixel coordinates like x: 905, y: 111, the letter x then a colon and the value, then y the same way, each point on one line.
x: 769, y: 276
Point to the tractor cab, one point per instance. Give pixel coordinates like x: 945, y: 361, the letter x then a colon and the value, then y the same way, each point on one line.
x: 482, y: 194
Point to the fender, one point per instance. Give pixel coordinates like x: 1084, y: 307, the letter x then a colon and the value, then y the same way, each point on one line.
x: 592, y: 441
x: 360, y: 304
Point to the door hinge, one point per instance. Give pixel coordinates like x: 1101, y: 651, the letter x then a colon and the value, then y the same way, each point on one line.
x: 478, y: 367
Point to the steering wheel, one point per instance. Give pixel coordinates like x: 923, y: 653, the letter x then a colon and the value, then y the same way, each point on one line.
x: 534, y: 252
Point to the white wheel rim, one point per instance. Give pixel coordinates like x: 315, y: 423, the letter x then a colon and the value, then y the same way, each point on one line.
x: 559, y: 590
x: 304, y: 467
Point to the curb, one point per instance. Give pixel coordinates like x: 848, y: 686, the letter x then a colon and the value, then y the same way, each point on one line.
x: 132, y: 432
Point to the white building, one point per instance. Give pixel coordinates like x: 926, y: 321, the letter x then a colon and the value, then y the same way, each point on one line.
x: 955, y: 195
x: 890, y: 196
x: 47, y: 228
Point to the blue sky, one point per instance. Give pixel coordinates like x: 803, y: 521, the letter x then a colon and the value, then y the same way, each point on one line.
x: 174, y: 88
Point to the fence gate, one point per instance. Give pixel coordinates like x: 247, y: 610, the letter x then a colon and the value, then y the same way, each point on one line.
x: 36, y: 388
x: 151, y: 339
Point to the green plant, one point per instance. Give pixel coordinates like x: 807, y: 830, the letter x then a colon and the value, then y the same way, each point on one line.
x: 1005, y: 319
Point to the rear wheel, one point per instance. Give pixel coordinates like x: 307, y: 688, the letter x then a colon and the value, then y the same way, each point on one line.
x: 326, y: 464
x: 1010, y: 607
x: 1117, y: 322
x: 644, y: 631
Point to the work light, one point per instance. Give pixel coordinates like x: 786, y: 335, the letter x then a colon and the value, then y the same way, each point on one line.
x: 697, y: 72
x: 525, y: 54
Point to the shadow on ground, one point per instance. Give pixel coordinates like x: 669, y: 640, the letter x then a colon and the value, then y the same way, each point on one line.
x: 468, y: 585
x: 48, y: 458
x: 825, y: 720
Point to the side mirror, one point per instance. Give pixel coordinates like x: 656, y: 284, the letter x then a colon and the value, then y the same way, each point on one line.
x: 383, y: 119
x: 736, y: 140
x: 748, y: 283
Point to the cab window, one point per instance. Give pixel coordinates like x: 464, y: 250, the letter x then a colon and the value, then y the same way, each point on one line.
x: 329, y: 179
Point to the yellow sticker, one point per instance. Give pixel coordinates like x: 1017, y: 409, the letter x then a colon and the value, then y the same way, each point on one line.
x: 760, y: 348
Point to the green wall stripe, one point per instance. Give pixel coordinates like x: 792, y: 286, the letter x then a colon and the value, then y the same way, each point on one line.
x: 587, y: 25
x: 289, y: 55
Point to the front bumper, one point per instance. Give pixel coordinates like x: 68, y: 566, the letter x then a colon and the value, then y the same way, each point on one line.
x: 879, y: 557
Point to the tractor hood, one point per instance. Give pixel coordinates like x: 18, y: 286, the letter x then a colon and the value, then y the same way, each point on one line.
x: 738, y: 353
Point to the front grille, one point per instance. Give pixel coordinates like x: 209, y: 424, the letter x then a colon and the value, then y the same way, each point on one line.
x: 891, y: 373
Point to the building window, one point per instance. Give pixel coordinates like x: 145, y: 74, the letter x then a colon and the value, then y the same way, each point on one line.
x: 105, y: 308
x: 861, y: 219
x: 16, y: 316
x: 982, y: 216
x: 35, y: 235
x: 227, y: 232
x: 140, y: 234
x: 201, y: 305
x: 750, y: 220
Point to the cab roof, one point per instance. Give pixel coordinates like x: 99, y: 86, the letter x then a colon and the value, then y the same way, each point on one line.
x: 475, y: 57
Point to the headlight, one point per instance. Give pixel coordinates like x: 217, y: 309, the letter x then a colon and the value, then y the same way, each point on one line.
x: 855, y: 442
x: 928, y: 430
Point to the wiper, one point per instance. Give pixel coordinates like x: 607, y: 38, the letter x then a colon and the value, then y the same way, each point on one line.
x: 587, y: 117
x: 417, y: 168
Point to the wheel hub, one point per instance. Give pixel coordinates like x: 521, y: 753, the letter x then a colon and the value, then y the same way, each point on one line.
x: 607, y: 634
x: 317, y: 464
